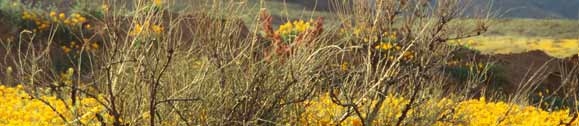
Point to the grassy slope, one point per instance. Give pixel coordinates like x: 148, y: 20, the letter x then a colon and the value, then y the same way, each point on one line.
x: 551, y: 28
x: 504, y: 35
x: 536, y: 28
x: 565, y: 9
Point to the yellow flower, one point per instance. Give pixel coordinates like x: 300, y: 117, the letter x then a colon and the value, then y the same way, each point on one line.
x: 95, y: 45
x: 356, y: 122
x: 157, y: 28
x: 19, y: 108
x: 81, y: 19
x: 344, y: 66
x: 384, y: 46
x: 296, y: 26
x: 26, y: 15
x: 105, y: 8
x: 87, y: 26
x: 66, y: 49
x: 43, y: 26
x: 157, y: 2
x: 473, y: 112
x: 136, y: 30
x: 146, y: 115
x: 62, y: 16
x: 52, y: 14
x: 75, y: 15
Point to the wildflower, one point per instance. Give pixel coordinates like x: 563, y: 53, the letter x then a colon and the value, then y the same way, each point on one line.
x: 344, y: 66
x: 136, y: 30
x: 285, y: 28
x: 75, y: 21
x: 52, y: 14
x: 469, y: 112
x: 408, y: 55
x: 157, y: 28
x: 20, y: 109
x: 95, y: 45
x: 384, y: 46
x: 66, y: 49
x: 81, y: 19
x: 26, y: 15
x: 87, y: 26
x: 43, y: 26
x: 145, y: 115
x: 105, y: 8
x: 75, y: 15
x: 356, y: 122
x: 157, y: 2
x: 393, y: 35
x: 67, y: 22
x: 62, y: 16
x: 292, y: 27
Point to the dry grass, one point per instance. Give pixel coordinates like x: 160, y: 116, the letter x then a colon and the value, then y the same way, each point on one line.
x: 159, y: 67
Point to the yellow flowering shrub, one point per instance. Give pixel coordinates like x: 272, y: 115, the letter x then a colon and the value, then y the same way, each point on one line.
x: 146, y: 28
x: 86, y: 45
x: 44, y: 20
x: 367, y: 34
x: 290, y: 30
x: 480, y: 112
x: 386, y: 42
x: 20, y: 109
x: 444, y: 112
x: 73, y: 24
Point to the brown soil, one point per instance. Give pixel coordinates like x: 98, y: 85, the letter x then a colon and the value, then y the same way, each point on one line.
x: 518, y: 68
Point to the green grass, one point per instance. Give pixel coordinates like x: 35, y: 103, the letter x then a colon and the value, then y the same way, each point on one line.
x: 535, y: 28
x: 522, y: 27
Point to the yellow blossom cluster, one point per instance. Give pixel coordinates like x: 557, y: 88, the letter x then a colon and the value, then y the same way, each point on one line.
x: 390, y: 45
x: 294, y: 28
x: 442, y: 112
x: 87, y: 44
x: 479, y: 112
x: 146, y: 28
x: 105, y: 8
x: 387, y: 42
x: 367, y: 34
x: 44, y: 20
x: 20, y: 109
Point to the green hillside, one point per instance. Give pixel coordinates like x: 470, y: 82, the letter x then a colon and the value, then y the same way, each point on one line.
x: 565, y: 9
x: 558, y: 26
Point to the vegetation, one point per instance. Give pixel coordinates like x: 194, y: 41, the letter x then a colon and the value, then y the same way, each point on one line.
x: 157, y: 62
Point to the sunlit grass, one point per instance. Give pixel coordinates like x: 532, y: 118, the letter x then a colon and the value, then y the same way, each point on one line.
x: 560, y: 48
x: 152, y: 63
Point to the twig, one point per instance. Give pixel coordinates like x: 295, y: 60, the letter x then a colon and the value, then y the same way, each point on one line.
x: 154, y: 86
x: 180, y: 114
x: 52, y: 107
x: 408, y: 106
x: 352, y: 106
x: 178, y: 100
x: 572, y: 120
x: 112, y: 98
